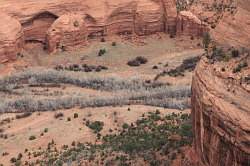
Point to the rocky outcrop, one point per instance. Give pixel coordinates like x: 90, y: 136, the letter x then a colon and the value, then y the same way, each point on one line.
x: 229, y: 20
x: 221, y: 113
x: 49, y: 22
x: 67, y: 32
x: 11, y: 38
x: 189, y: 24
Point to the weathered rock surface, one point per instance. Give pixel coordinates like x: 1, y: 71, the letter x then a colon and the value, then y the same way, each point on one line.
x: 67, y: 32
x: 189, y: 24
x: 221, y: 114
x: 11, y: 38
x: 229, y: 20
x: 100, y: 18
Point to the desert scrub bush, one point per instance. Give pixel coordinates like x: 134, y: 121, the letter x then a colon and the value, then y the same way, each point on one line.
x: 45, y: 130
x: 75, y: 115
x: 1, y: 130
x: 129, y: 91
x: 96, y: 126
x: 188, y: 64
x: 64, y: 77
x: 58, y: 115
x: 102, y: 52
x: 240, y: 66
x: 158, y: 96
x: 32, y: 137
x: 137, y: 61
x: 23, y: 115
x: 235, y: 53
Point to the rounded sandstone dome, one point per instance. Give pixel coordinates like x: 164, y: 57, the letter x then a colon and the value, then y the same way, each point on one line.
x: 11, y: 38
x: 66, y: 32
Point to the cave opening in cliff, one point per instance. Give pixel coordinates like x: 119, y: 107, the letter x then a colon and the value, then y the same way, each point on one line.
x: 35, y: 29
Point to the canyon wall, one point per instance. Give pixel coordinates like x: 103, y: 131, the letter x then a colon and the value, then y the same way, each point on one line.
x: 52, y: 23
x: 221, y: 113
x: 11, y: 38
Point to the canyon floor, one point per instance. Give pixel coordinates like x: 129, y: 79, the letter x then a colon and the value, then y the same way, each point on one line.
x: 127, y: 101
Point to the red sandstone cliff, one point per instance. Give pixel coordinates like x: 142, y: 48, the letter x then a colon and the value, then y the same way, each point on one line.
x: 52, y: 23
x: 11, y: 38
x: 221, y: 113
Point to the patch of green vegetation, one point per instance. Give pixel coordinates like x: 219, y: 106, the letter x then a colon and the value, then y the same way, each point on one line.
x: 240, y: 66
x: 32, y: 137
x: 188, y: 64
x: 102, y: 52
x: 149, y: 138
x: 96, y: 126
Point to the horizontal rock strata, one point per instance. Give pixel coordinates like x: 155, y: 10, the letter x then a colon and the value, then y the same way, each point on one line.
x: 11, y: 38
x: 221, y: 116
x: 50, y: 22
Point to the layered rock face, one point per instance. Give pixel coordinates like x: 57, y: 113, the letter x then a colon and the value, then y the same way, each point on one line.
x: 11, y: 38
x: 50, y: 22
x: 189, y: 24
x: 221, y: 114
x: 35, y: 29
x: 66, y: 33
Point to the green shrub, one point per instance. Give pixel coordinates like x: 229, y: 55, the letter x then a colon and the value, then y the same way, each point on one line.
x: 240, y: 66
x: 13, y: 160
x: 102, y: 52
x: 23, y: 115
x: 97, y: 126
x: 235, y: 53
x: 137, y: 61
x: 125, y: 126
x: 46, y: 130
x: 58, y: 115
x: 75, y: 115
x: 32, y: 137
